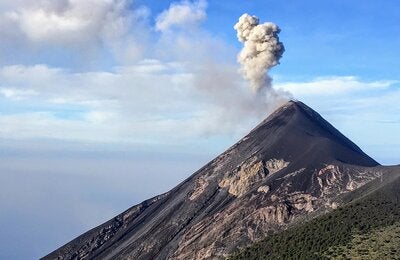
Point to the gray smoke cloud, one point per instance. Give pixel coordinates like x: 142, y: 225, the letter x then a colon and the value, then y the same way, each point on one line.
x: 261, y: 50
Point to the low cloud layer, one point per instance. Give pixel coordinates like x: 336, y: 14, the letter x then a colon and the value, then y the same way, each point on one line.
x: 130, y: 104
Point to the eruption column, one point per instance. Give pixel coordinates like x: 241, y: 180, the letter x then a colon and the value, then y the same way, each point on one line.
x: 261, y: 50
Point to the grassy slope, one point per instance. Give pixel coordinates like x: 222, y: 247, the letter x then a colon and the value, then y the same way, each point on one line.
x: 376, y: 213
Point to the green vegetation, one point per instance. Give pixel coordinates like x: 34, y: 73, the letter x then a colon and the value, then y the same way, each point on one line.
x: 339, y: 234
x: 382, y: 243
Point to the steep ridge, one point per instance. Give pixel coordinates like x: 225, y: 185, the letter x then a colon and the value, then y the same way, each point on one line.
x: 292, y: 166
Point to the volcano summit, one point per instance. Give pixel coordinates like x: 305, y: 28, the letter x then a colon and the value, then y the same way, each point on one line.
x: 294, y: 166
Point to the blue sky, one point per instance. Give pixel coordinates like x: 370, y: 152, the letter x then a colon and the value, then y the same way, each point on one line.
x: 100, y: 93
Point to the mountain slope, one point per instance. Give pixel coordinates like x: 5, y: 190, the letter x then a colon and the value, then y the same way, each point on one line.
x: 364, y: 228
x: 292, y: 166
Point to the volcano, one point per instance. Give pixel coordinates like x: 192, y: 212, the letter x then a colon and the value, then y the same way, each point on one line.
x: 292, y: 167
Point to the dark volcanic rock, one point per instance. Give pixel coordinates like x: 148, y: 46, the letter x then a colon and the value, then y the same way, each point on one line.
x: 292, y: 166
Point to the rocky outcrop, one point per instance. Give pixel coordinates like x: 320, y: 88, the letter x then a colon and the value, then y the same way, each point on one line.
x: 275, y: 165
x: 249, y: 173
x: 302, y: 201
x: 273, y: 214
x: 334, y: 181
x: 241, y: 180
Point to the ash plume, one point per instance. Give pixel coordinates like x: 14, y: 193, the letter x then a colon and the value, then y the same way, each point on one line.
x: 261, y: 50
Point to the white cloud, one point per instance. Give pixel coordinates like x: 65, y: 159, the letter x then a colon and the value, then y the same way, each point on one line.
x: 157, y: 102
x: 67, y: 22
x: 130, y: 84
x: 14, y: 93
x: 74, y: 24
x: 152, y: 100
x: 334, y: 85
x: 184, y: 14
